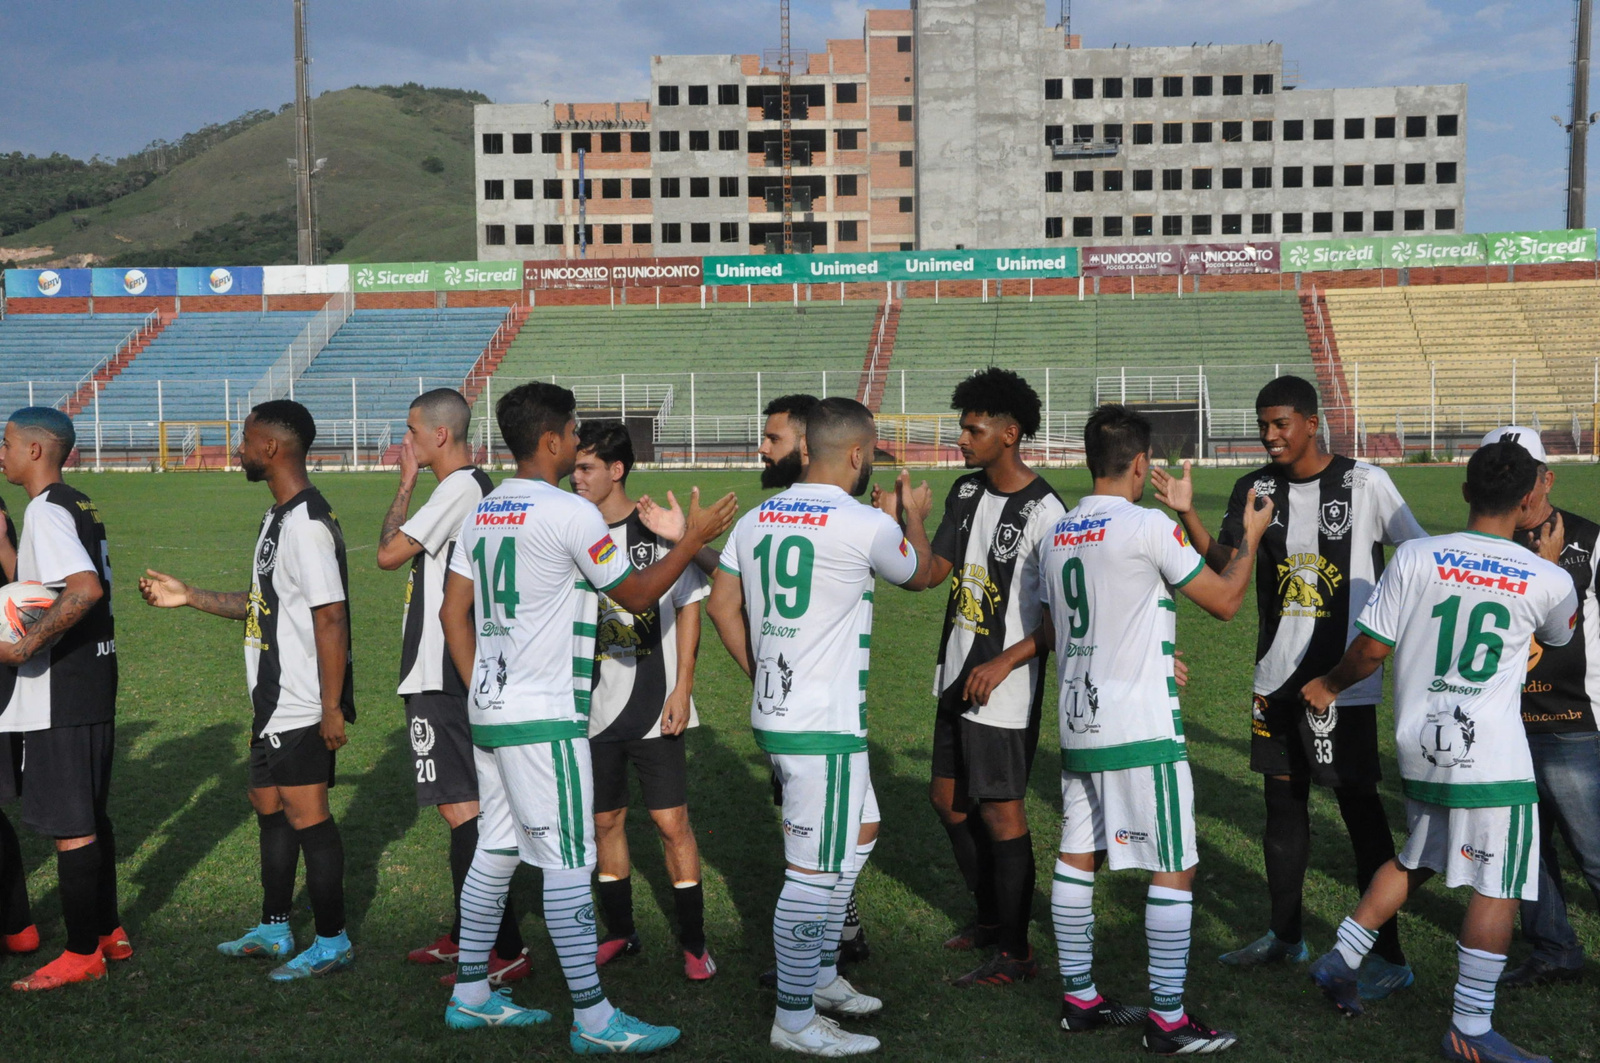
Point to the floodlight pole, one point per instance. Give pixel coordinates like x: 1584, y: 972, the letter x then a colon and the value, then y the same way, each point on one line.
x: 1578, y: 146
x: 305, y: 201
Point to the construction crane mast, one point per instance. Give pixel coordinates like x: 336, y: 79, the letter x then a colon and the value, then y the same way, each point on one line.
x: 786, y: 89
x: 1578, y: 131
x: 303, y: 164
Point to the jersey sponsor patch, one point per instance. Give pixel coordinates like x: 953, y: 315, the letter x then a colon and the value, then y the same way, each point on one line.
x: 905, y: 551
x: 603, y: 551
x: 1179, y: 534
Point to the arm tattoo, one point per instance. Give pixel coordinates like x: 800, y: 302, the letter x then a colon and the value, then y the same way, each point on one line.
x: 230, y: 605
x: 396, y: 515
x: 65, y: 611
x: 1243, y: 556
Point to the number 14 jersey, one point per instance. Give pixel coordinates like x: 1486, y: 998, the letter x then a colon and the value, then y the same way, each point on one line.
x: 806, y: 559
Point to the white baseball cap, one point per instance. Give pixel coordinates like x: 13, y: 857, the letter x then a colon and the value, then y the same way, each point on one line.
x: 1526, y: 438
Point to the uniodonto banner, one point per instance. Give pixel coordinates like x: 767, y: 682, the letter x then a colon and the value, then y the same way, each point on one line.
x: 436, y: 276
x: 892, y: 266
x: 614, y: 273
x: 1133, y: 260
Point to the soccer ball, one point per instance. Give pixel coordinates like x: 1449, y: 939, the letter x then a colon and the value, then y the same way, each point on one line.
x: 21, y: 605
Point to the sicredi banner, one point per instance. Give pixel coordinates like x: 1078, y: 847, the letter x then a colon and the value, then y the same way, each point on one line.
x: 1230, y: 258
x: 1526, y: 249
x: 1420, y: 251
x: 125, y: 282
x: 48, y: 283
x: 892, y: 266
x: 436, y: 276
x: 221, y: 280
x: 1301, y: 256
x: 1131, y: 260
x: 614, y: 273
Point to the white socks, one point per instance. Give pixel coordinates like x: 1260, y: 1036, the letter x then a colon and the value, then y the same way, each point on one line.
x: 1474, y: 1005
x: 1354, y: 942
x: 569, y: 916
x: 483, y: 903
x: 1072, y: 915
x: 798, y: 925
x: 1168, y: 916
x: 838, y: 906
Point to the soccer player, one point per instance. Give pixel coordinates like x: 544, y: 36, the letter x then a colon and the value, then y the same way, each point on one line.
x: 1316, y: 567
x: 1458, y: 613
x: 64, y: 701
x: 18, y: 934
x: 983, y: 753
x: 792, y: 601
x: 519, y: 615
x: 1109, y: 568
x: 297, y: 666
x: 435, y: 697
x: 1559, y: 700
x: 641, y: 709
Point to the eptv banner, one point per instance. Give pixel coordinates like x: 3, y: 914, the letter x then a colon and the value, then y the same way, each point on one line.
x: 224, y: 280
x: 614, y: 273
x: 48, y: 283
x: 892, y: 266
x: 124, y: 282
x: 436, y: 276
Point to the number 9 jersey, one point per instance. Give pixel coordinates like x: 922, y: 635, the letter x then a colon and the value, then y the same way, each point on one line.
x: 806, y: 559
x: 1460, y: 610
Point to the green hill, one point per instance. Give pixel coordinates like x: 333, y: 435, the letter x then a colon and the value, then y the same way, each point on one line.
x: 398, y: 186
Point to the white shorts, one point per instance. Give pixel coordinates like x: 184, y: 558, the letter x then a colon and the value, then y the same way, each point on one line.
x: 537, y: 799
x: 824, y: 797
x: 1493, y: 850
x: 1141, y: 817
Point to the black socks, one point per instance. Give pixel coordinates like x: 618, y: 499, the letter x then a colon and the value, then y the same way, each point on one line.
x: 107, y: 918
x: 616, y: 900
x: 690, y: 905
x: 79, y: 873
x: 14, y: 912
x: 1286, y: 846
x: 324, y: 851
x: 1013, y: 878
x: 280, y: 860
x: 1368, y: 827
x: 969, y: 841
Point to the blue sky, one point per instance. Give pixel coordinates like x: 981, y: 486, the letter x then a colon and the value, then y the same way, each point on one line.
x: 88, y: 76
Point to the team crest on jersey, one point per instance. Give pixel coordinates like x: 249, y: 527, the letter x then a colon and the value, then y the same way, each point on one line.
x: 489, y: 691
x: 1083, y: 705
x: 968, y: 489
x: 1447, y: 738
x: 603, y: 551
x: 1335, y: 518
x: 267, y: 558
x: 643, y: 553
x: 422, y: 737
x: 773, y: 685
x: 1007, y: 538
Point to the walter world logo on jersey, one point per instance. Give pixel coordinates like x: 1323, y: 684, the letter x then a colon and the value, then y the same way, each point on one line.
x: 773, y: 684
x: 1447, y: 738
x: 422, y: 736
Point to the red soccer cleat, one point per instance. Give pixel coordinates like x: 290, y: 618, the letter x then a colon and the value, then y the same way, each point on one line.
x: 611, y: 948
x: 65, y: 969
x: 699, y: 968
x: 116, y: 946
x: 442, y: 951
x: 24, y: 940
x: 501, y: 971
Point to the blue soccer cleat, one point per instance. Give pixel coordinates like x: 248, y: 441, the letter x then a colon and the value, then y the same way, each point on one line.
x: 267, y: 941
x: 623, y: 1033
x: 1266, y: 949
x: 1485, y: 1048
x: 496, y: 1011
x: 1338, y: 982
x: 1379, y: 977
x: 325, y: 956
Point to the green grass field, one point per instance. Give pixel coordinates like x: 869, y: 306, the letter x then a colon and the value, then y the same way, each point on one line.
x: 187, y: 843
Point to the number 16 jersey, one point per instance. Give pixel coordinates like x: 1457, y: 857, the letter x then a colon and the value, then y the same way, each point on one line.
x: 806, y: 558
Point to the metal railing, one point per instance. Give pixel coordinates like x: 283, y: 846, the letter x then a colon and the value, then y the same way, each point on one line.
x: 147, y: 325
x: 278, y: 381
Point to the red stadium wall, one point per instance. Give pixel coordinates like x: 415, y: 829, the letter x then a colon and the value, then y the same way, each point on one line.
x: 47, y: 306
x: 296, y: 302
x: 499, y: 298
x: 394, y: 301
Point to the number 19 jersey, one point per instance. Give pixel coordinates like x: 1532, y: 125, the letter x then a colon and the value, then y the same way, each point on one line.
x: 1108, y: 567
x: 536, y: 557
x: 1460, y: 611
x: 806, y: 558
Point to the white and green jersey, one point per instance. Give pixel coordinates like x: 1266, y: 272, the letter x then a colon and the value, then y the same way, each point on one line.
x: 536, y: 556
x: 1459, y: 611
x: 1108, y: 568
x: 806, y: 558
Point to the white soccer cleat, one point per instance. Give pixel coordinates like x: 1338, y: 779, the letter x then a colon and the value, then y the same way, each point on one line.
x: 822, y: 1037
x: 842, y: 998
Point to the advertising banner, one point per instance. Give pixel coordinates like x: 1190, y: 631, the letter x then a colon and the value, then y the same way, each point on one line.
x: 614, y: 273
x: 1523, y: 249
x: 48, y: 283
x: 1443, y: 249
x: 436, y: 276
x: 1231, y: 258
x: 1130, y: 260
x: 223, y: 280
x: 283, y: 280
x: 122, y: 282
x: 892, y: 266
x: 1304, y: 255
x: 322, y: 280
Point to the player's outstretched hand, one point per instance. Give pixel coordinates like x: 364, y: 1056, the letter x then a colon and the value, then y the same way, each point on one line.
x: 332, y: 730
x: 408, y: 463
x: 163, y: 591
x: 1174, y: 493
x: 1180, y: 670
x: 982, y: 680
x: 888, y: 501
x: 1549, y: 540
x: 667, y: 523
x: 1257, y: 516
x: 1317, y: 695
x: 704, y: 525
x: 915, y: 502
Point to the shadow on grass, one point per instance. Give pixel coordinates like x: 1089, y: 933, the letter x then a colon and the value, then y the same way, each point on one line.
x: 383, y: 809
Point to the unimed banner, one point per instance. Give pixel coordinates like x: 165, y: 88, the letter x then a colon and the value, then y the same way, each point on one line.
x: 222, y: 280
x: 1131, y: 260
x: 892, y: 266
x: 121, y: 282
x: 614, y: 273
x: 436, y: 276
x: 48, y: 283
x: 1526, y: 249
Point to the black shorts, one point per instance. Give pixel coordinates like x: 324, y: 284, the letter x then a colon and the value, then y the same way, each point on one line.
x: 441, y: 749
x: 989, y: 763
x: 10, y: 767
x: 291, y: 758
x: 66, y: 778
x: 659, y: 762
x: 1342, y: 751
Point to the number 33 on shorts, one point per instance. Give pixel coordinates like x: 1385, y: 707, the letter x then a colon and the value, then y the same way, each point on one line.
x: 1322, y: 734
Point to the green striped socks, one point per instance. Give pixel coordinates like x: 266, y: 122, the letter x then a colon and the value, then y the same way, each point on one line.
x: 1168, y: 916
x: 1354, y: 942
x: 798, y: 925
x: 1474, y: 1004
x: 1072, y: 916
